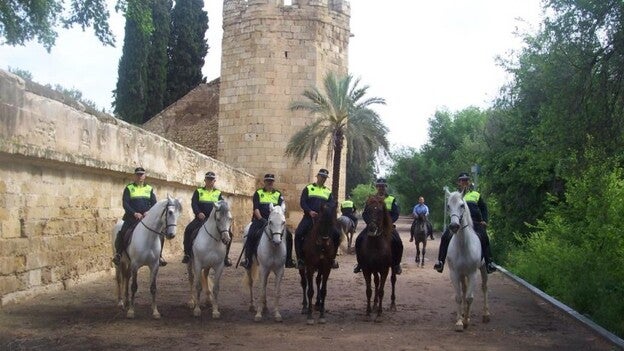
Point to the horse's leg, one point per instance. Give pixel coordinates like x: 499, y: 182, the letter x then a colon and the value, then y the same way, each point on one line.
x: 393, y: 279
x: 191, y: 280
x: 424, y: 249
x: 319, y: 281
x: 471, y: 282
x: 310, y: 283
x: 119, y: 283
x: 250, y: 280
x: 455, y: 279
x: 349, y: 242
x: 215, y: 290
x: 304, y: 286
x: 376, y: 298
x: 382, y: 282
x: 262, y: 304
x: 322, y: 292
x: 125, y: 276
x: 417, y: 259
x: 369, y: 292
x: 154, y: 290
x: 484, y: 288
x: 197, y: 282
x: 279, y: 275
x: 130, y: 313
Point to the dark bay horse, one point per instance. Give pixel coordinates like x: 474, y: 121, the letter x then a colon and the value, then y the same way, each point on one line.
x: 419, y: 233
x: 319, y: 251
x: 375, y: 254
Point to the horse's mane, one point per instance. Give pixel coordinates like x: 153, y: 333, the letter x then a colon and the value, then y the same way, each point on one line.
x: 326, y: 220
x: 386, y: 222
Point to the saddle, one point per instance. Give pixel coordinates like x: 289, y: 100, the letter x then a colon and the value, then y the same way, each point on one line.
x: 126, y: 237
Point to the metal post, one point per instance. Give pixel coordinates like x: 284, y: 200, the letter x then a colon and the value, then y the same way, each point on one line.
x: 446, y: 191
x: 475, y: 169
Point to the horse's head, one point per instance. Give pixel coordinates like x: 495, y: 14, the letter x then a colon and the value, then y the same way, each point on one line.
x: 456, y: 207
x: 277, y: 224
x: 223, y: 220
x: 171, y: 212
x: 380, y: 221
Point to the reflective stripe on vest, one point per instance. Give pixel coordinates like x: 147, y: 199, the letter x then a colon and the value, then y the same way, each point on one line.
x: 472, y: 196
x: 319, y: 192
x: 136, y: 191
x: 266, y: 197
x: 208, y: 195
x: 389, y: 200
x: 347, y: 204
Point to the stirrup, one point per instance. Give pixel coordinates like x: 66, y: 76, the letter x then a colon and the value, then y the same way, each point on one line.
x: 116, y: 259
x: 357, y: 268
x: 227, y: 262
x: 162, y: 262
x: 245, y: 264
x: 439, y: 266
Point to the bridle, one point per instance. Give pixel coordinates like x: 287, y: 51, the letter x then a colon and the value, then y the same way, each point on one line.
x: 167, y: 224
x: 219, y: 230
x: 460, y: 217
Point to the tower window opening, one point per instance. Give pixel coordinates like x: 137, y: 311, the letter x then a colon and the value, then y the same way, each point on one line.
x: 286, y: 54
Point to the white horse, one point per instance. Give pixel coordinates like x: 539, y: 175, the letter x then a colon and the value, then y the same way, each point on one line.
x: 144, y: 250
x: 270, y: 257
x: 209, y: 249
x: 464, y: 260
x: 347, y: 231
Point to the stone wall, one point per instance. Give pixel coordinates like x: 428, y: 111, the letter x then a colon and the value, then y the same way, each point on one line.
x: 62, y: 173
x: 191, y: 121
x: 271, y: 53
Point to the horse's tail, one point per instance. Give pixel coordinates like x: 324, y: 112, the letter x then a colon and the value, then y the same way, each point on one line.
x: 250, y: 276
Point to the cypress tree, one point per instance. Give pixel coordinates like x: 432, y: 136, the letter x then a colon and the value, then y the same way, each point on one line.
x: 157, y: 59
x: 130, y: 94
x: 187, y: 48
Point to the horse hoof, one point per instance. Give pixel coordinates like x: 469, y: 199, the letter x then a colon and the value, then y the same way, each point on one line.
x: 310, y: 321
x: 278, y: 319
x: 191, y: 304
x: 197, y: 312
x: 459, y: 327
x: 392, y: 307
x: 257, y: 318
x: 486, y: 319
x: 156, y: 315
x: 130, y: 314
x: 120, y: 304
x: 322, y: 321
x: 216, y: 315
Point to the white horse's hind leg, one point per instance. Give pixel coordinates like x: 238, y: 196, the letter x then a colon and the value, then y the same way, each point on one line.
x: 130, y: 313
x: 484, y: 288
x: 191, y: 279
x: 279, y: 274
x: 197, y: 272
x: 153, y: 291
x: 457, y: 285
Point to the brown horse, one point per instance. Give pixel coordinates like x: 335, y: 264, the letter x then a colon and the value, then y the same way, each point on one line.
x: 375, y: 254
x: 419, y: 233
x: 319, y: 251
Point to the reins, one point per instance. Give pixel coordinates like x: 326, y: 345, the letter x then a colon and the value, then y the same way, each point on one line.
x: 167, y: 225
x: 221, y: 231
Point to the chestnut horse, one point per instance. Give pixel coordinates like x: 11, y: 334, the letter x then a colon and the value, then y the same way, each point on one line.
x: 375, y: 254
x: 319, y: 251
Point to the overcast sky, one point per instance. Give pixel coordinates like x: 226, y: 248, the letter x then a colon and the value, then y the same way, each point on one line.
x: 419, y: 55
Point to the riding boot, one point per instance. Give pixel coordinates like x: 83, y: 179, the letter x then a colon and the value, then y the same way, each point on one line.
x: 289, y: 247
x: 187, y: 245
x: 226, y: 260
x: 444, y: 243
x: 117, y: 258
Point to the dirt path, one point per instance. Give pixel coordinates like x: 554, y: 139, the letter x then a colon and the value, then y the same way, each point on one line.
x: 85, y: 317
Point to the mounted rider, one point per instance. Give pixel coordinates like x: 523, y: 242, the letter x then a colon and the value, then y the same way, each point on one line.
x: 479, y: 215
x: 418, y: 210
x: 313, y: 196
x: 202, y: 202
x: 138, y: 197
x: 263, y: 198
x: 393, y: 208
x: 347, y: 208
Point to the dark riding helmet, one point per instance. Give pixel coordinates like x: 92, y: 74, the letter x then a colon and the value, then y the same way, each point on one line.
x: 210, y: 175
x: 139, y: 170
x: 381, y: 182
x: 269, y: 177
x: 323, y: 173
x: 463, y: 176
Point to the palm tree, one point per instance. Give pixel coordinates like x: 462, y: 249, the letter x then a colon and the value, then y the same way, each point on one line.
x: 342, y: 112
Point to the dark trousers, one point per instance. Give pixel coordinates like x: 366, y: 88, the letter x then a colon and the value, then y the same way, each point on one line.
x: 253, y: 238
x: 396, y: 246
x: 119, y: 238
x: 429, y: 228
x: 486, y: 252
x: 188, y: 235
x: 303, y: 229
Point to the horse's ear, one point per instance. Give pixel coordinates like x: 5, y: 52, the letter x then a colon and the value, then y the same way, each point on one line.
x: 270, y: 207
x: 284, y: 206
x: 446, y: 191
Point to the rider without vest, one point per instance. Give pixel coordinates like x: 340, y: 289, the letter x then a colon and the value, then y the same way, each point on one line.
x: 479, y: 215
x: 262, y: 200
x: 202, y: 202
x: 138, y: 197
x: 347, y: 208
x: 312, y: 197
x: 396, y: 244
x: 421, y: 209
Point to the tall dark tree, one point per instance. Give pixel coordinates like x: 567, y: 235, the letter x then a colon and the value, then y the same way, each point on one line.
x: 157, y: 59
x: 131, y: 91
x: 187, y: 48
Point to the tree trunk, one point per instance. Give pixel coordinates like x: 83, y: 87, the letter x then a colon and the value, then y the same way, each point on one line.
x: 338, y: 144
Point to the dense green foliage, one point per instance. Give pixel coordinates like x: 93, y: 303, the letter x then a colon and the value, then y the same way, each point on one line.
x: 342, y: 112
x: 22, y: 21
x: 554, y: 206
x: 157, y: 58
x: 360, y: 194
x: 187, y: 49
x: 131, y: 91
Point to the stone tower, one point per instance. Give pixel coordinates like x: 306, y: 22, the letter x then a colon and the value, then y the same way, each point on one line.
x: 271, y: 53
